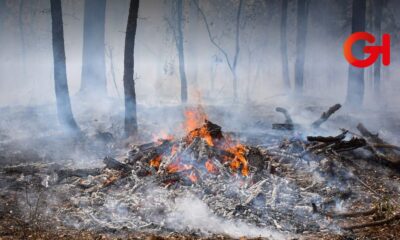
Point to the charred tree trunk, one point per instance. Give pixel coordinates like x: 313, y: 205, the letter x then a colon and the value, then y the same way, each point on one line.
x: 355, y: 84
x: 129, y: 82
x: 64, y: 110
x: 302, y: 17
x: 181, y: 55
x: 93, y: 78
x: 377, y: 8
x: 285, y: 64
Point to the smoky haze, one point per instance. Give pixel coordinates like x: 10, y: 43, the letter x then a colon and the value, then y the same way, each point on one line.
x: 26, y: 69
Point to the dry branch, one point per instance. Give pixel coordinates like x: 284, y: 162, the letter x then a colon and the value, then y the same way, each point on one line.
x: 373, y: 224
x: 325, y: 115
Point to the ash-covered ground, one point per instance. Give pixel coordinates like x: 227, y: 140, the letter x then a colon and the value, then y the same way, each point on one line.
x: 279, y: 184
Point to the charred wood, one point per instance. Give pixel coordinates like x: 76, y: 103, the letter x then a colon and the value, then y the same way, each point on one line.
x: 326, y: 115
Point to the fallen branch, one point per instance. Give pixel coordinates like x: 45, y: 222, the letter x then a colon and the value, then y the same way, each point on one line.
x: 373, y: 224
x: 325, y: 116
x: 117, y: 165
x: 352, y: 214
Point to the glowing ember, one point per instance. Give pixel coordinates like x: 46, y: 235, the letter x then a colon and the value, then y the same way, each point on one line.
x: 211, y: 167
x: 155, y: 162
x: 239, y: 161
x: 178, y: 167
x: 193, y: 177
x: 197, y: 126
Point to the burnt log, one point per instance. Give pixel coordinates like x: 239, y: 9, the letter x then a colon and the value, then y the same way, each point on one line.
x: 329, y: 139
x: 288, y: 124
x: 112, y: 163
x: 326, y: 115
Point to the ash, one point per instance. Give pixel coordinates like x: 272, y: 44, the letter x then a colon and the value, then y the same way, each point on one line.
x: 210, y: 182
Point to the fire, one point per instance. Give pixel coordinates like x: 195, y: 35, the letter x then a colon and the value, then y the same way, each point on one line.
x: 193, y: 177
x: 196, y: 125
x: 211, y: 167
x: 202, y: 133
x: 178, y: 167
x: 159, y: 137
x: 155, y: 162
x: 194, y: 118
x: 239, y: 161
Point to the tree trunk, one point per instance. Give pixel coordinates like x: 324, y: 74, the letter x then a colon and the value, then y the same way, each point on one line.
x: 64, y: 110
x: 129, y: 82
x: 378, y: 32
x: 181, y: 56
x: 237, y: 50
x: 355, y: 85
x: 22, y: 36
x: 193, y: 29
x: 284, y: 56
x: 93, y: 78
x: 302, y: 17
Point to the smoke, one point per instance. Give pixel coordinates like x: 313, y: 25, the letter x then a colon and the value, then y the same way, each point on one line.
x: 191, y: 213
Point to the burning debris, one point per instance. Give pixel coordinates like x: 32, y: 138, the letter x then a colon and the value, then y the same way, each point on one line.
x: 210, y: 182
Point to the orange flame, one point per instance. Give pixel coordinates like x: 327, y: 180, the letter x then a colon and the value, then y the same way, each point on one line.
x: 239, y: 151
x: 177, y: 167
x: 193, y: 177
x: 155, y: 162
x: 194, y: 118
x: 202, y: 133
x: 211, y: 167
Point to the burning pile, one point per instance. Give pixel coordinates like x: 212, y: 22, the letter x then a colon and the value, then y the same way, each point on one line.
x: 209, y: 182
x: 203, y: 151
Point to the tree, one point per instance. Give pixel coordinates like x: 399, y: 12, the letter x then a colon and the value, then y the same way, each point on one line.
x: 355, y: 83
x: 129, y: 82
x: 22, y: 36
x: 64, y: 110
x: 302, y: 17
x: 93, y: 78
x: 232, y: 62
x: 181, y: 55
x: 284, y: 56
x: 377, y: 25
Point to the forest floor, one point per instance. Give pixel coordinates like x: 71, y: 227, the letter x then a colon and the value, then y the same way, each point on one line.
x: 32, y: 136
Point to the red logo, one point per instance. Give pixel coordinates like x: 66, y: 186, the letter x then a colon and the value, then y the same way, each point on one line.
x: 373, y: 51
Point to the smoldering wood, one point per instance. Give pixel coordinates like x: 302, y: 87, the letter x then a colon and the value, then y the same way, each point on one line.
x: 288, y: 124
x: 328, y: 139
x: 326, y: 115
x: 387, y: 155
x: 117, y: 165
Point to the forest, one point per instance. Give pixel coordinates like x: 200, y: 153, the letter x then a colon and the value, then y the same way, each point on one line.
x: 199, y: 119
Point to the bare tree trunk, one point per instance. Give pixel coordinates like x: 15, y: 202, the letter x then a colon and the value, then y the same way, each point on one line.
x: 355, y: 84
x: 64, y: 110
x: 22, y: 37
x: 93, y: 78
x: 284, y: 56
x: 377, y: 8
x: 237, y: 50
x: 193, y: 29
x: 232, y: 64
x: 181, y: 55
x: 302, y: 17
x: 129, y: 82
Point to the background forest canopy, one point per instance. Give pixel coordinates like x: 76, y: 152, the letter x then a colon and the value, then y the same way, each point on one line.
x: 246, y: 48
